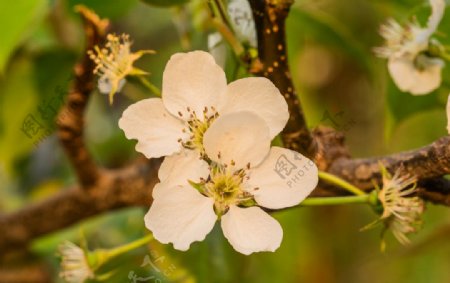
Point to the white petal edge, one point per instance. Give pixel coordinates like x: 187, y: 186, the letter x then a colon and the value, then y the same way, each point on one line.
x: 105, y: 85
x: 192, y: 80
x: 241, y: 17
x: 242, y: 137
x: 180, y: 216
x: 261, y: 97
x: 156, y: 130
x: 418, y: 82
x: 251, y: 230
x: 284, y: 179
x: 179, y: 169
x: 217, y: 48
x: 448, y: 114
x: 437, y: 13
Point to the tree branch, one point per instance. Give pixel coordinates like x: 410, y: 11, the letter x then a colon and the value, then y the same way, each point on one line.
x: 70, y: 118
x: 131, y: 186
x: 270, y: 18
x: 425, y: 163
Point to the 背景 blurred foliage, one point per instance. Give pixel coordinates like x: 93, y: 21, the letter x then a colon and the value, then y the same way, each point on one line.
x: 334, y: 68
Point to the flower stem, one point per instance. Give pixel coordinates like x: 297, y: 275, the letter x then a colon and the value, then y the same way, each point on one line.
x: 445, y: 56
x: 335, y: 180
x: 99, y: 257
x: 228, y: 35
x: 130, y: 246
x: 335, y: 200
x: 222, y: 23
x: 148, y: 85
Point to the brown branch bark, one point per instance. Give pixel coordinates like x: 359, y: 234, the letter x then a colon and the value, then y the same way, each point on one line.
x: 131, y: 186
x: 25, y: 274
x: 70, y: 119
x: 425, y: 163
x: 270, y: 21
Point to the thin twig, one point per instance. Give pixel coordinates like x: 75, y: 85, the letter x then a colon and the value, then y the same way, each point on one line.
x: 71, y: 117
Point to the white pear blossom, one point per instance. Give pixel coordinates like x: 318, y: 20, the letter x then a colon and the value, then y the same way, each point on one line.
x: 74, y: 263
x: 115, y: 62
x: 243, y: 173
x: 410, y: 63
x: 194, y: 94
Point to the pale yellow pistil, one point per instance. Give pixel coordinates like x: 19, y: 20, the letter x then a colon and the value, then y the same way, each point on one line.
x: 197, y: 128
x: 226, y: 189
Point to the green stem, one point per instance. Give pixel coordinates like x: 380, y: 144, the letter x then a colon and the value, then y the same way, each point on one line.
x: 445, y: 56
x: 223, y: 14
x: 99, y: 257
x: 229, y: 36
x: 335, y: 200
x: 147, y: 84
x: 128, y: 247
x: 335, y: 180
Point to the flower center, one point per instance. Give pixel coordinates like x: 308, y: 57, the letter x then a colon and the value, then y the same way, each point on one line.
x: 197, y: 128
x: 226, y: 188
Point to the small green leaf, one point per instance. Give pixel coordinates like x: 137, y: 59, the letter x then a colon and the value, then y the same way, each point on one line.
x: 165, y: 3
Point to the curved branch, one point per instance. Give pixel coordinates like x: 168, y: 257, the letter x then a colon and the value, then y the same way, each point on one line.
x: 270, y: 21
x: 70, y: 118
x: 131, y: 186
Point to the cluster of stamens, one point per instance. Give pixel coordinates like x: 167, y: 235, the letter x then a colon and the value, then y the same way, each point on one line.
x: 115, y: 58
x: 197, y: 128
x: 225, y: 186
x: 396, y: 38
x: 401, y: 211
x: 74, y: 263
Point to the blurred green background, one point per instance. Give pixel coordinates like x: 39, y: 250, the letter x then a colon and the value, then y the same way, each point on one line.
x: 335, y: 71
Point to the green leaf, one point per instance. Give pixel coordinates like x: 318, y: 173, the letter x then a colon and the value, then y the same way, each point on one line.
x: 18, y: 99
x: 165, y: 3
x: 16, y: 19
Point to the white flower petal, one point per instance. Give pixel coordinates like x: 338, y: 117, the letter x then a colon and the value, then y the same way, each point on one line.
x: 448, y: 115
x: 105, y: 85
x: 217, y: 48
x: 437, y: 12
x: 192, y: 80
x: 180, y: 216
x: 261, y: 97
x: 180, y: 168
x: 251, y: 230
x: 242, y: 137
x: 155, y: 129
x: 410, y: 79
x: 285, y: 178
x: 241, y: 17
